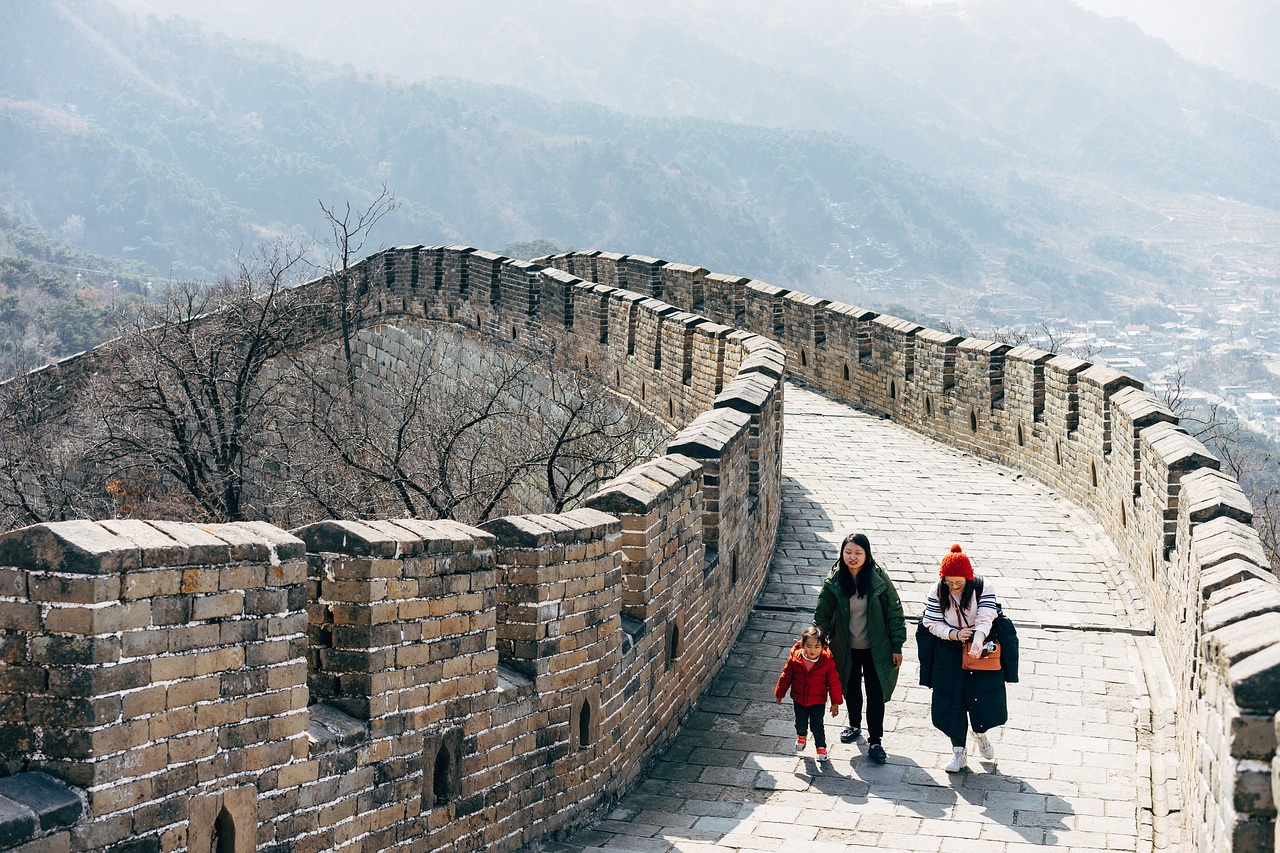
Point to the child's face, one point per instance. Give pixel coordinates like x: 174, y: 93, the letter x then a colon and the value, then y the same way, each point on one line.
x: 812, y: 647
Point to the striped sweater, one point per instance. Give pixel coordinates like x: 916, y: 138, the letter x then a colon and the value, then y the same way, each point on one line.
x: 979, y: 615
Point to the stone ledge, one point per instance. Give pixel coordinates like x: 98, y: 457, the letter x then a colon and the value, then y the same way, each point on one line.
x: 642, y: 488
x: 35, y: 803
x: 942, y: 339
x: 1177, y: 449
x: 1209, y: 493
x: 331, y: 729
x: 1142, y: 407
x: 1235, y: 642
x: 1224, y: 574
x: 707, y: 436
x: 1255, y: 680
x: 541, y: 531
x: 1243, y: 607
x: 1221, y: 539
x: 393, y: 538
x: 108, y: 547
x: 748, y: 393
x: 1108, y: 379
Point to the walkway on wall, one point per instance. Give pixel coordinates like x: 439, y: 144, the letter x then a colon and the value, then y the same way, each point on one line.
x: 1074, y: 765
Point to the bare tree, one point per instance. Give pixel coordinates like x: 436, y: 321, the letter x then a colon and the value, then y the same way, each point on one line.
x: 351, y: 228
x: 462, y: 432
x: 1249, y: 457
x: 186, y: 407
x: 46, y: 453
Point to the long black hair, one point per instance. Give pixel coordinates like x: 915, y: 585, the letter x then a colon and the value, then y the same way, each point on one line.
x: 861, y: 584
x: 944, y: 593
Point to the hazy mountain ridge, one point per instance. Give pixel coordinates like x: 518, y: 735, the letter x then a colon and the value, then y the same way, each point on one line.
x: 183, y: 120
x: 207, y: 144
x: 1040, y: 82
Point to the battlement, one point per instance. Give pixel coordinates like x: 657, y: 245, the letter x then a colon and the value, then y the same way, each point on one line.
x: 363, y: 685
x: 367, y: 685
x: 1095, y: 436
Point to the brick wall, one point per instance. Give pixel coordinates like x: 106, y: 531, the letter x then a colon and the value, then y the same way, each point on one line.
x: 1093, y: 435
x: 403, y: 684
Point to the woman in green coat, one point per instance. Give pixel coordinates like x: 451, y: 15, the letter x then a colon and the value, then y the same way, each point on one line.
x: 860, y: 614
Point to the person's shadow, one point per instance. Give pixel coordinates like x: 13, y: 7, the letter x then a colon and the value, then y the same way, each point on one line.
x: 1035, y: 816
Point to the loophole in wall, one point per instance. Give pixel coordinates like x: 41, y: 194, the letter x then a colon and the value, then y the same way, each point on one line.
x: 584, y: 726
x: 928, y: 406
x: 973, y: 420
x: 893, y: 390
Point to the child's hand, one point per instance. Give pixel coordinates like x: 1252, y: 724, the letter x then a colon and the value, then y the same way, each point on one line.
x: 779, y: 698
x: 835, y: 708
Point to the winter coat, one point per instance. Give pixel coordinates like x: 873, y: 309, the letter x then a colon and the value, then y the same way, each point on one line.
x: 810, y: 686
x: 958, y: 693
x: 1002, y: 629
x: 886, y: 628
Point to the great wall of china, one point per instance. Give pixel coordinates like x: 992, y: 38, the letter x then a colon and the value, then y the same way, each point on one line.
x: 404, y: 684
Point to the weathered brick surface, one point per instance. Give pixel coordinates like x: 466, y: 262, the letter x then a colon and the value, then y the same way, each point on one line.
x: 1094, y: 435
x: 369, y: 685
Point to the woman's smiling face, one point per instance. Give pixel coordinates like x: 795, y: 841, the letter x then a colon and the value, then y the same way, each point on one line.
x: 853, y: 556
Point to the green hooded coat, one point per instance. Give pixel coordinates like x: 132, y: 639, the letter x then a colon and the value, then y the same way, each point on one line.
x: 886, y: 628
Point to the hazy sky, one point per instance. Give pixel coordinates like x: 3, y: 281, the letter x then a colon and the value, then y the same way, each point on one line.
x: 1236, y: 35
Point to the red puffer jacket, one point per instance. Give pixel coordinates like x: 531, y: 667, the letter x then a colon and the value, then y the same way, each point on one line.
x: 810, y: 686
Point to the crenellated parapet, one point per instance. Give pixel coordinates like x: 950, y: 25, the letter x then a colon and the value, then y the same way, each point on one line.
x: 1095, y: 436
x: 398, y: 683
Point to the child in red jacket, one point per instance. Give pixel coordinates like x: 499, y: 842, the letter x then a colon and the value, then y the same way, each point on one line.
x: 811, y: 674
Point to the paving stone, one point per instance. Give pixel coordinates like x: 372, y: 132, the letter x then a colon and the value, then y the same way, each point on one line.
x: 1068, y: 762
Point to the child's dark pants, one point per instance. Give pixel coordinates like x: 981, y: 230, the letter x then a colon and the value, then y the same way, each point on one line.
x: 810, y: 717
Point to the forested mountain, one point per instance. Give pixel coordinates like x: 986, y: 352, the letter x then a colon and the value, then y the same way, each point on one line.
x: 176, y: 148
x: 975, y: 85
x: 1013, y: 155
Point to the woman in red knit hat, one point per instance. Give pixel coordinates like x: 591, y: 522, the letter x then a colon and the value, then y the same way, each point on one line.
x: 962, y: 607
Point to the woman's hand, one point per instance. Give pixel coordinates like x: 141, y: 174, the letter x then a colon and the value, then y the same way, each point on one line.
x: 779, y: 698
x: 963, y: 634
x: 835, y: 708
x: 897, y: 661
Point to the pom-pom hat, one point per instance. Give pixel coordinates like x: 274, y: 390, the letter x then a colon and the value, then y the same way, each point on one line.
x: 956, y: 565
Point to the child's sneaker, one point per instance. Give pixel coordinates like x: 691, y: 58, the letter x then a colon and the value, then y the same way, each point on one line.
x: 800, y: 741
x: 822, y: 753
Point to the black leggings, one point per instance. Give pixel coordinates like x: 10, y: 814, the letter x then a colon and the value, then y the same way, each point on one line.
x: 862, y: 672
x: 810, y: 717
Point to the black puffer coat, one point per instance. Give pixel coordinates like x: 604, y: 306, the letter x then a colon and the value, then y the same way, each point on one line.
x: 958, y: 693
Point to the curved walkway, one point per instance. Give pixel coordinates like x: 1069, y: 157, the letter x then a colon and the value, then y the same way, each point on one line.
x: 1073, y: 768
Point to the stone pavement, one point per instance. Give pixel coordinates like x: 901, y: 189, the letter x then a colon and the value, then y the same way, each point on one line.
x: 1073, y: 766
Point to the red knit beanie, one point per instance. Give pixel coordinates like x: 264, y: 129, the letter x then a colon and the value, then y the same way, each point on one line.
x: 956, y: 565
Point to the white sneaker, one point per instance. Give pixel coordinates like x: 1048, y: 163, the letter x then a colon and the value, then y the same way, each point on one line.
x: 985, y: 746
x: 957, y: 761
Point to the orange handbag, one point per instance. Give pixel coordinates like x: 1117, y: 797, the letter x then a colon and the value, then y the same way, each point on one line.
x: 989, y: 662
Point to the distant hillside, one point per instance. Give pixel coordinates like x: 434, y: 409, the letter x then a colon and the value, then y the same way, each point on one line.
x: 1030, y: 84
x: 907, y: 158
x: 1237, y: 36
x: 175, y: 148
